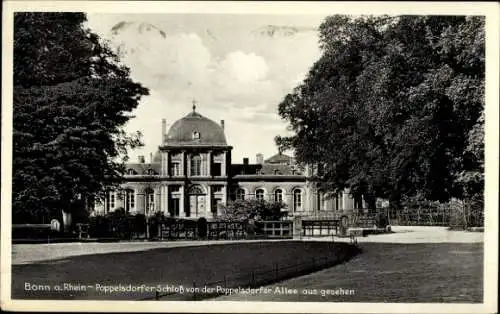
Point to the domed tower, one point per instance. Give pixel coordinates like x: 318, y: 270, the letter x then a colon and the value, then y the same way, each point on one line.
x: 195, y: 162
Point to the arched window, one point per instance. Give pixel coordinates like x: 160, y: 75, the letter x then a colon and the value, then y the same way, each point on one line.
x: 129, y: 200
x: 240, y: 194
x: 196, y: 165
x: 297, y: 200
x: 196, y: 135
x: 278, y: 196
x: 150, y: 201
x: 259, y: 194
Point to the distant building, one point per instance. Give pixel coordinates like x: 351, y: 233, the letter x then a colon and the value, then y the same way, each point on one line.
x: 192, y: 174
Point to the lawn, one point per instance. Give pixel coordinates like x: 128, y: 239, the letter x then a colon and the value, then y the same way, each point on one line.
x: 187, y: 266
x: 386, y: 272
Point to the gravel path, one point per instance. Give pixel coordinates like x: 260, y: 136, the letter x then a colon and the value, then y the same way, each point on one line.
x: 30, y: 253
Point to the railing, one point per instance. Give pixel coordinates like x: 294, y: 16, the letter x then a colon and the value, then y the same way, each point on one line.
x: 278, y: 229
x: 320, y: 227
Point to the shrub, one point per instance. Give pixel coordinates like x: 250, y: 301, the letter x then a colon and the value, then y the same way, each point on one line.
x: 241, y: 210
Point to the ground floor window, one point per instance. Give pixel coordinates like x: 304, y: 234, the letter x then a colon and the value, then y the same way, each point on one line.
x: 278, y: 196
x: 297, y: 200
x: 240, y: 194
x: 129, y: 200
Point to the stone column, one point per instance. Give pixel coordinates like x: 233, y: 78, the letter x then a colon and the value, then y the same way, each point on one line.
x: 223, y: 164
x: 209, y: 163
x: 182, y: 202
x: 157, y: 203
x: 183, y: 164
x: 166, y: 164
x: 165, y: 198
x: 208, y: 201
x: 288, y: 199
x: 187, y: 171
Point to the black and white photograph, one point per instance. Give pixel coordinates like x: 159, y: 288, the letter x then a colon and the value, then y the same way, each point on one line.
x: 250, y: 157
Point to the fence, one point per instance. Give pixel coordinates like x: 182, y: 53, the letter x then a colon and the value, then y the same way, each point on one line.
x: 278, y: 229
x: 320, y: 227
x: 258, y: 277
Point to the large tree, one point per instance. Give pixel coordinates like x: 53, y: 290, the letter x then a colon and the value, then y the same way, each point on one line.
x: 393, y: 107
x: 71, y: 101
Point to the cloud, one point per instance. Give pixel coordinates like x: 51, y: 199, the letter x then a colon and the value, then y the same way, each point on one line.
x: 233, y: 76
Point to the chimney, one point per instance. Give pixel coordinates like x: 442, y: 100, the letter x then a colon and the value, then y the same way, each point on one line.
x: 141, y: 159
x: 259, y: 158
x: 163, y: 130
x: 245, y: 161
x: 222, y: 124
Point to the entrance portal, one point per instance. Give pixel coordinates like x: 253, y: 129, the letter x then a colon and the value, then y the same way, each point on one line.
x: 197, y: 202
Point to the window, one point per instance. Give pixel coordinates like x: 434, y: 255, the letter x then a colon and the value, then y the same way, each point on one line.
x: 196, y: 166
x: 175, y: 188
x: 175, y: 169
x: 216, y: 169
x: 337, y: 201
x: 278, y: 196
x: 130, y: 200
x: 131, y: 172
x: 240, y: 194
x: 259, y: 194
x: 150, y: 172
x: 276, y: 172
x: 297, y: 200
x: 196, y: 135
x: 217, y: 188
x: 321, y: 200
x: 150, y: 201
x: 110, y: 201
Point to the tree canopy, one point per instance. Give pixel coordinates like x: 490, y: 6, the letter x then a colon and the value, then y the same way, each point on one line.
x: 394, y: 107
x: 71, y: 100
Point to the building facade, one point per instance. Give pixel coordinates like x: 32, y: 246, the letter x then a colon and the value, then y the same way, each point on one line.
x: 192, y: 174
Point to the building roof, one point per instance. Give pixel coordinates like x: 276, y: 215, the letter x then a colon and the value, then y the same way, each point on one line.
x: 265, y: 169
x: 279, y: 158
x: 142, y: 168
x: 195, y: 129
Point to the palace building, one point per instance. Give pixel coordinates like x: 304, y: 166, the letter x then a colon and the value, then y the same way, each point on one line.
x: 192, y: 174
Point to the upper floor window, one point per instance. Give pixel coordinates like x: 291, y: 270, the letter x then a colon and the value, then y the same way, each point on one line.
x: 175, y: 168
x: 196, y: 135
x: 216, y: 169
x: 240, y: 194
x: 259, y: 194
x: 196, y: 166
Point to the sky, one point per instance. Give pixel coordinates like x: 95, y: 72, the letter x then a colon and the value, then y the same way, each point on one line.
x: 237, y: 68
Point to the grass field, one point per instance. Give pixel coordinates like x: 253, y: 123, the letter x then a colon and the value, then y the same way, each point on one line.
x: 387, y: 272
x: 164, y: 266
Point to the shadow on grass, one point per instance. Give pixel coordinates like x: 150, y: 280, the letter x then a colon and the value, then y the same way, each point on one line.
x: 235, y: 264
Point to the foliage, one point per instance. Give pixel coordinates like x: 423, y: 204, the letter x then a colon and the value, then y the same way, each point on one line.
x: 240, y: 210
x: 394, y: 107
x: 71, y: 101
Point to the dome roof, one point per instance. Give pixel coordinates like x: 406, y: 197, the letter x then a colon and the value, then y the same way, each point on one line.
x: 195, y: 129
